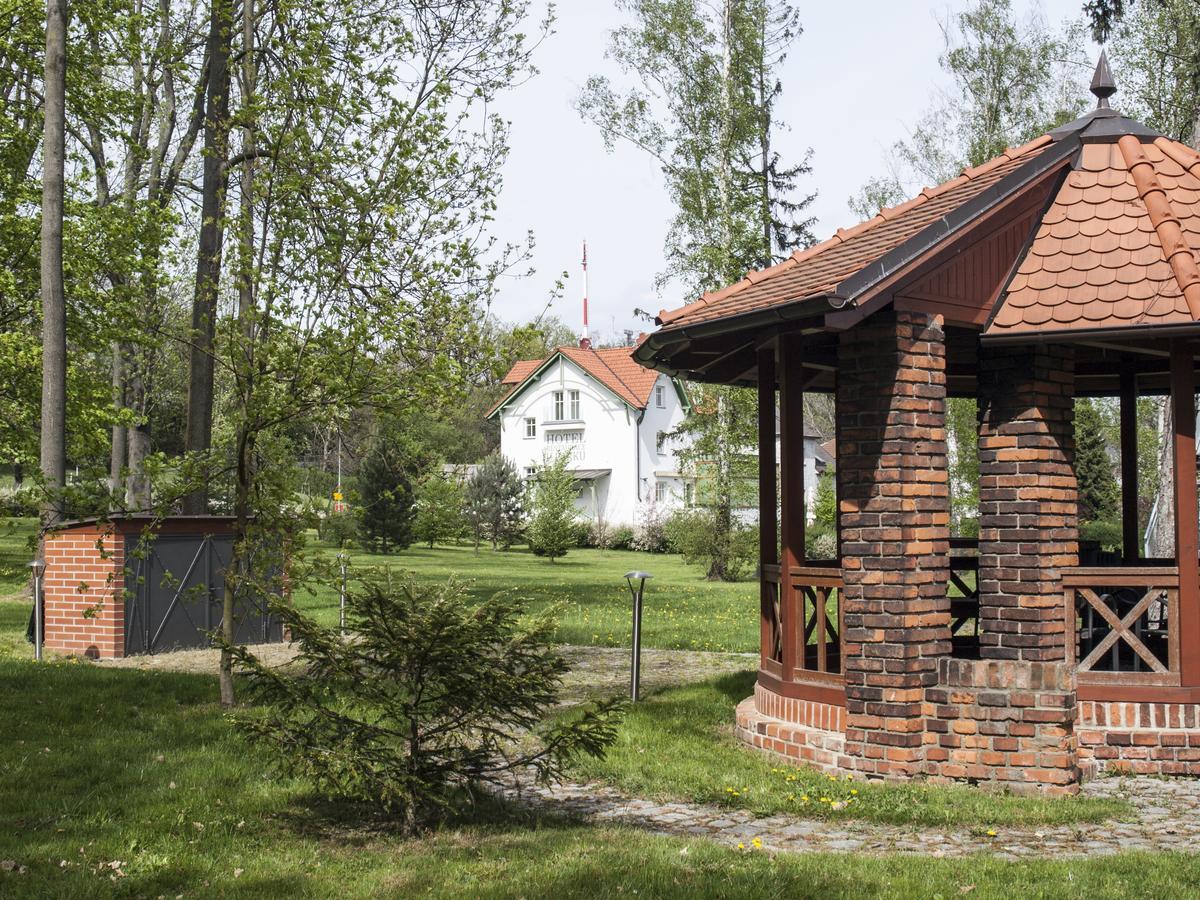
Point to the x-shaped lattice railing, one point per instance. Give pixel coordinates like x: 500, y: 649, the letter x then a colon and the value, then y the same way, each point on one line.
x: 1122, y: 628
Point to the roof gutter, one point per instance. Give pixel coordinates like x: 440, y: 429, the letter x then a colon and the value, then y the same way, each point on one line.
x: 1077, y: 335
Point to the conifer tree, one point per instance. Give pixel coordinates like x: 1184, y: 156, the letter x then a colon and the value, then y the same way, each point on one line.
x: 1099, y: 495
x: 493, y: 502
x: 553, y: 509
x: 386, y: 520
x: 438, y: 509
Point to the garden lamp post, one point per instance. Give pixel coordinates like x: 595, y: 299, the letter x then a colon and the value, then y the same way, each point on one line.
x: 635, y: 675
x: 38, y: 568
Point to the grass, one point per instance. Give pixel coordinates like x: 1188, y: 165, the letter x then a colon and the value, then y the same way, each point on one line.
x: 131, y: 783
x: 682, y: 610
x: 679, y: 744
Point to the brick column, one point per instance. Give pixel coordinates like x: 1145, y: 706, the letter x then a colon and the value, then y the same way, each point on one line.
x: 84, y: 591
x: 1027, y: 499
x: 895, y: 532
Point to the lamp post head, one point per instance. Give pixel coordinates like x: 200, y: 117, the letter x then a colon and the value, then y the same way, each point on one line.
x: 38, y: 566
x: 637, y: 576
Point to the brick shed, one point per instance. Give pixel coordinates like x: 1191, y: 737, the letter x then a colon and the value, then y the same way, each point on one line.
x: 1023, y: 657
x: 137, y: 584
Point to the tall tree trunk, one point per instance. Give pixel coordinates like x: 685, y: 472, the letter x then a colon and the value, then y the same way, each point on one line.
x: 54, y: 313
x: 198, y: 431
x: 245, y: 367
x: 119, y: 450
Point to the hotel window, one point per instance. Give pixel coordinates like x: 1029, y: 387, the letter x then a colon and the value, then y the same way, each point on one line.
x: 530, y: 471
x: 660, y: 491
x: 660, y: 396
x: 575, y: 405
x: 558, y: 406
x: 530, y: 428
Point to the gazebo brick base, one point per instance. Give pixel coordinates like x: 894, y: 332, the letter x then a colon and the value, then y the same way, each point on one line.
x: 1142, y: 738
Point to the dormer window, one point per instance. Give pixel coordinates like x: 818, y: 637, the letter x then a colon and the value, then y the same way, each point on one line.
x: 531, y: 428
x: 575, y: 406
x: 558, y: 406
x: 660, y: 396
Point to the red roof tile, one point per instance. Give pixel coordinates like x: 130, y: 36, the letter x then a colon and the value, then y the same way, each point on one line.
x: 614, y: 367
x: 1115, y: 247
x: 819, y: 269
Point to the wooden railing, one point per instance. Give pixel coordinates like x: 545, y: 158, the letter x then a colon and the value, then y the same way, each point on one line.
x: 771, y: 617
x: 1122, y: 624
x: 818, y: 592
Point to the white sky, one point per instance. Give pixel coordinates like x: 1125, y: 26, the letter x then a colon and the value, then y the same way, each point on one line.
x: 855, y: 80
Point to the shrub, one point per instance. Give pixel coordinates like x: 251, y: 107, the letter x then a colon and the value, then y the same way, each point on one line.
x: 1105, y: 532
x: 622, y: 538
x: 695, y: 535
x: 429, y: 699
x: 339, y: 529
x: 650, y: 535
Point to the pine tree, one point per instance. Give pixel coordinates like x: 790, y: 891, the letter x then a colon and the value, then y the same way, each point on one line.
x: 554, y: 492
x: 493, y: 502
x: 439, y: 515
x: 386, y: 520
x: 1099, y: 496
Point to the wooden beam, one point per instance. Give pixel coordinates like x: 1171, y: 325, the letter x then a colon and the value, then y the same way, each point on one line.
x: 1187, y: 520
x: 790, y: 372
x: 768, y: 523
x: 1129, y: 465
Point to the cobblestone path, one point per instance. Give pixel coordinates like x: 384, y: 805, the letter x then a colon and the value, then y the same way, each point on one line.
x: 1167, y: 810
x: 1168, y: 818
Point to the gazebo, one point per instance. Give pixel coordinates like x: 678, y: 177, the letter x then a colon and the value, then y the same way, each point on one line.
x: 1063, y: 268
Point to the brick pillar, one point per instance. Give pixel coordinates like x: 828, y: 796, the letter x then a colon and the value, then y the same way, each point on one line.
x: 84, y: 591
x: 1027, y: 499
x: 895, y: 532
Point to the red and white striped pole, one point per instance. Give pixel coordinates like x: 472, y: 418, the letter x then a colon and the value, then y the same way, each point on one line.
x: 585, y: 340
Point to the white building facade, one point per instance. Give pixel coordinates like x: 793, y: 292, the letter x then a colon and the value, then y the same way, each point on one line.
x: 611, y: 416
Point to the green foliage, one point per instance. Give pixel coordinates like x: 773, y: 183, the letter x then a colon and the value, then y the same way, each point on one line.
x: 820, y: 536
x: 552, y: 510
x: 431, y: 697
x: 707, y: 80
x: 493, y: 502
x: 1012, y: 81
x: 698, y: 536
x: 962, y: 431
x: 719, y: 441
x: 439, y: 515
x: 1099, y: 495
x: 1105, y: 532
x: 385, y: 486
x: 650, y: 533
x: 1155, y: 54
x: 339, y: 529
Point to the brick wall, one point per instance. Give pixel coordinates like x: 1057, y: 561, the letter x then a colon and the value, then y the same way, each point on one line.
x: 1027, y: 499
x: 1146, y: 738
x: 1002, y: 722
x: 894, y: 508
x: 84, y: 591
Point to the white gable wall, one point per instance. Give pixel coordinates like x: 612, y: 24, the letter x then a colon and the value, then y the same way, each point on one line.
x: 611, y: 439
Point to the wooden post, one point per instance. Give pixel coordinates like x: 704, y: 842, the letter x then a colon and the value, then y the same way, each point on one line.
x: 768, y: 522
x: 1187, y: 521
x: 791, y: 455
x: 1129, y: 466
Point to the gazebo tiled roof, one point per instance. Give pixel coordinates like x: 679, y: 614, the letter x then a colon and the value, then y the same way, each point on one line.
x: 1093, y: 226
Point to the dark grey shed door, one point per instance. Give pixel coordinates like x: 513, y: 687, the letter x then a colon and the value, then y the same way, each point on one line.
x: 174, y: 595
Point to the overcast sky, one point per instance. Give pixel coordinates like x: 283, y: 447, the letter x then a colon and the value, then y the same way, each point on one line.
x: 857, y: 78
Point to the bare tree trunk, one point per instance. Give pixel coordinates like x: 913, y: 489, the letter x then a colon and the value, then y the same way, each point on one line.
x: 137, y: 485
x: 1160, y: 530
x: 198, y: 432
x: 54, y: 313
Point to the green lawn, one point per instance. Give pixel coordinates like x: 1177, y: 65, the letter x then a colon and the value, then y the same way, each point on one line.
x: 682, y: 610
x: 130, y: 783
x: 679, y: 744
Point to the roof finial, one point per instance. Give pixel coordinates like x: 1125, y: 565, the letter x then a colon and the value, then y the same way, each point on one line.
x: 1103, y: 85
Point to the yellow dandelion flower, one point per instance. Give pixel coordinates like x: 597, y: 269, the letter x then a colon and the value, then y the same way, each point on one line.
x: 991, y: 832
x: 757, y: 842
x: 741, y: 846
x: 854, y: 792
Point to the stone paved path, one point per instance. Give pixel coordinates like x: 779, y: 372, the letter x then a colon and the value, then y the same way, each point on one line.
x: 1168, y: 818
x: 1168, y: 811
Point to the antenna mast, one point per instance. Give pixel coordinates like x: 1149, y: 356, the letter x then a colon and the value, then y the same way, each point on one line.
x: 585, y: 339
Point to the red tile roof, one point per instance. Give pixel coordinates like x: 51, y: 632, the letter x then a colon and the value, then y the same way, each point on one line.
x: 1116, y: 247
x: 613, y: 367
x: 819, y: 269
